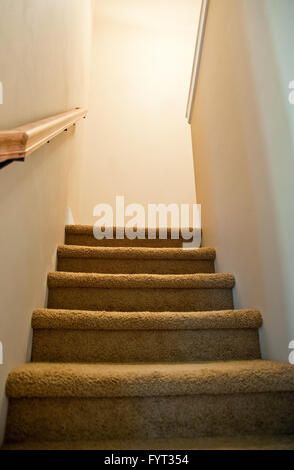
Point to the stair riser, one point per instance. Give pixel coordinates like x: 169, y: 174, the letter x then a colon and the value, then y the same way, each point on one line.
x: 135, y: 266
x: 60, y: 419
x: 144, y: 346
x: 88, y: 240
x: 132, y: 300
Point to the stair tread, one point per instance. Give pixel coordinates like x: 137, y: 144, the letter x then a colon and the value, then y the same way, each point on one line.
x: 89, y: 230
x: 133, y: 281
x: 86, y: 320
x: 135, y: 380
x: 86, y: 252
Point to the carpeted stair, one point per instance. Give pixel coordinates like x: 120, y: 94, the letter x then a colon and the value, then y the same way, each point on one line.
x: 141, y: 341
x: 77, y: 336
x: 140, y: 292
x: 135, y: 260
x: 82, y: 235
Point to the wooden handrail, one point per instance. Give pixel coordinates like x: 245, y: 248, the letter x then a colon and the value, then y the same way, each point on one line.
x: 20, y: 142
x: 197, y: 58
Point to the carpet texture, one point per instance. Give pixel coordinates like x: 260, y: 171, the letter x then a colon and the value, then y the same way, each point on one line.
x: 82, y: 235
x: 89, y: 320
x: 149, y: 417
x: 77, y: 336
x: 141, y: 343
x: 135, y: 260
x: 137, y: 292
x: 134, y: 380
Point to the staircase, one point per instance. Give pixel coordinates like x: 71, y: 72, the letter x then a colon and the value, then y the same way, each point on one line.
x: 141, y: 341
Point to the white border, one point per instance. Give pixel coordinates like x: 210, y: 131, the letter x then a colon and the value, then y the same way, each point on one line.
x: 197, y: 58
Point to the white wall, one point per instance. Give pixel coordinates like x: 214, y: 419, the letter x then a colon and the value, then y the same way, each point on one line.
x: 139, y: 144
x: 44, y: 62
x: 243, y: 137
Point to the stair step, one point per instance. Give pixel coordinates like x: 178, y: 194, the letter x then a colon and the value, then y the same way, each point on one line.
x: 135, y: 260
x: 82, y: 235
x: 41, y: 380
x: 88, y: 320
x: 140, y: 292
x: 77, y: 336
x: 102, y: 401
x: 143, y: 281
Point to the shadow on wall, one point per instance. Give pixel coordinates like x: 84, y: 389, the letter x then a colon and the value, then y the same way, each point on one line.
x: 243, y: 150
x: 32, y: 206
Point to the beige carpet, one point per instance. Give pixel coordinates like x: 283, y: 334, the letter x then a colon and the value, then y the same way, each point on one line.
x: 141, y: 348
x: 135, y: 260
